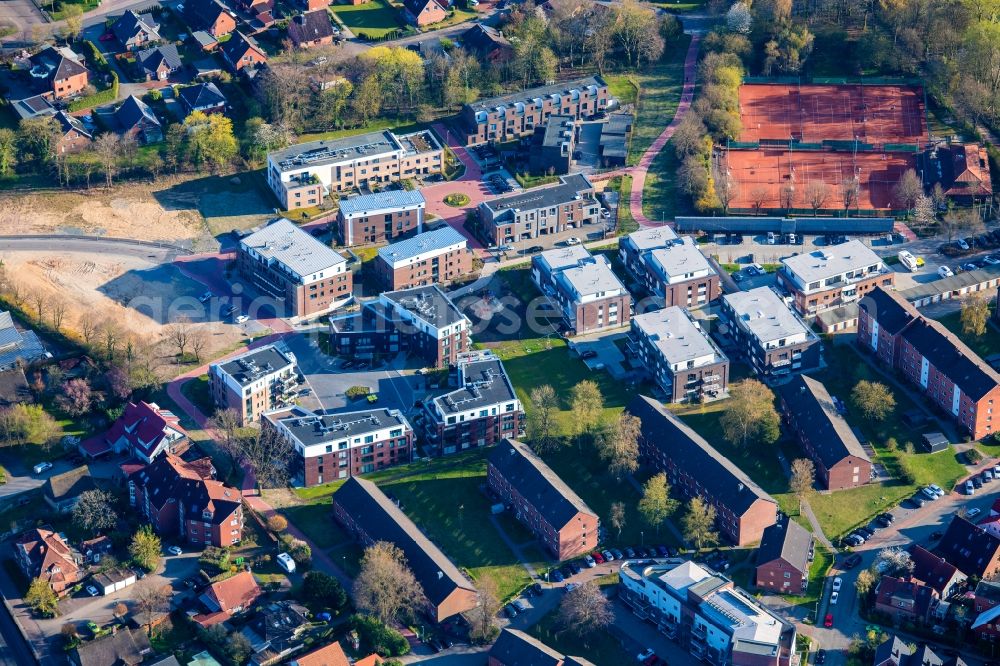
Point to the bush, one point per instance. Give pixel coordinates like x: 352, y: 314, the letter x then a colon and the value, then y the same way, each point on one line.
x: 376, y: 637
x: 456, y: 199
x: 356, y: 392
x: 97, y: 99
x: 324, y: 591
x: 277, y: 523
x: 974, y: 456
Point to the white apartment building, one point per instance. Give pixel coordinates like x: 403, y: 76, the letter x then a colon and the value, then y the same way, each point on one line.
x: 833, y: 276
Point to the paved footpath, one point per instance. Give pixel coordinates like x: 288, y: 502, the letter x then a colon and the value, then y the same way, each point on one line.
x: 640, y: 170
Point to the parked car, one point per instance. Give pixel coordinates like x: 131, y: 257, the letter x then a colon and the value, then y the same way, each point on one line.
x: 962, y: 244
x: 828, y: 620
x: 937, y: 489
x: 536, y: 589
x: 837, y: 582
x: 996, y: 470
x: 572, y: 240
x: 175, y: 550
x: 945, y: 272
x: 977, y: 482
x: 852, y: 561
x: 629, y: 553
x: 833, y: 598
x: 608, y: 557
x: 589, y: 353
x: 820, y: 657
x: 575, y: 567
x: 598, y: 557
x: 324, y: 616
x: 619, y: 555
x: 571, y: 586
x: 663, y: 551
x: 589, y: 561
x: 970, y: 489
x: 918, y: 501
x: 511, y: 611
x: 519, y: 605
x: 557, y: 576
x: 92, y: 591
x: 972, y: 513
x: 204, y: 297
x: 42, y: 467
x: 929, y: 494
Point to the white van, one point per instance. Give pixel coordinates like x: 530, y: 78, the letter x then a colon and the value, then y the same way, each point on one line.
x: 908, y: 260
x: 286, y: 562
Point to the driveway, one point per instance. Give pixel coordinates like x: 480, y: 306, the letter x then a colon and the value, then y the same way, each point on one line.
x: 608, y: 356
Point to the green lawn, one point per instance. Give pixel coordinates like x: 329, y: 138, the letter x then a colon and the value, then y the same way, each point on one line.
x: 822, y: 561
x: 622, y: 87
x: 599, y: 647
x: 659, y: 94
x: 198, y: 392
x: 399, y: 125
x: 984, y: 345
x: 659, y: 196
x: 626, y: 223
x: 374, y: 19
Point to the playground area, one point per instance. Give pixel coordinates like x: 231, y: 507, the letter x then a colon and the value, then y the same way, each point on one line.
x: 881, y: 116
x: 772, y: 177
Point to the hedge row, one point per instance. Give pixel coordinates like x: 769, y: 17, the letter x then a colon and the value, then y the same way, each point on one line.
x: 97, y: 99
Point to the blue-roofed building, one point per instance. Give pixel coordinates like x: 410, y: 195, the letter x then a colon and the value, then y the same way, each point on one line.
x: 17, y: 346
x: 433, y: 257
x: 380, y: 217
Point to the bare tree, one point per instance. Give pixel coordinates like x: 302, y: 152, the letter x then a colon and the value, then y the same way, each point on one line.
x: 817, y: 193
x: 758, y: 196
x: 88, y: 329
x: 787, y: 196
x: 199, y: 340
x: 483, y: 616
x: 268, y: 454
x: 725, y: 187
x: 227, y: 422
x: 616, y: 517
x: 39, y: 299
x: 385, y: 587
x: 850, y: 191
x: 151, y: 599
x: 16, y: 292
x: 585, y: 611
x: 57, y: 312
x: 109, y: 334
x: 908, y: 189
x: 107, y: 148
x: 179, y: 335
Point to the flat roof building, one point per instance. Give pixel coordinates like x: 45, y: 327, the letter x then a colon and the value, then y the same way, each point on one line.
x: 378, y: 217
x: 540, y: 211
x: 285, y: 262
x: 683, y: 360
x: 586, y: 291
x: 433, y: 257
x: 833, y: 276
x: 254, y: 382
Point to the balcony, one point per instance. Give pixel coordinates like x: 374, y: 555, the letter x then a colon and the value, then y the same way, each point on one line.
x: 710, y: 378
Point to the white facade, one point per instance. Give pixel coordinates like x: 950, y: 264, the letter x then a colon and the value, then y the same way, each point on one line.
x: 832, y: 267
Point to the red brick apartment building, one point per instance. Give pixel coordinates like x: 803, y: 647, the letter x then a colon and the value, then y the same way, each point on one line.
x: 336, y: 446
x: 833, y: 277
x: 41, y: 553
x: 540, y: 211
x: 433, y: 257
x: 672, y: 269
x: 695, y: 468
x: 254, y: 382
x: 285, y: 262
x: 380, y: 217
x: 583, y: 288
x: 60, y: 71
x: 513, y: 116
x: 783, y: 558
x: 825, y: 436
x: 370, y: 516
x: 541, y: 500
x: 905, y: 599
x: 481, y: 411
x: 178, y: 500
x: 933, y: 358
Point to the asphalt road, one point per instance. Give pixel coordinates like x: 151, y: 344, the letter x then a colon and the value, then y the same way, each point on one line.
x: 14, y: 650
x: 101, y: 246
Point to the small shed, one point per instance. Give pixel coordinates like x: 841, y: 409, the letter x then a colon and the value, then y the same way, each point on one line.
x: 935, y: 441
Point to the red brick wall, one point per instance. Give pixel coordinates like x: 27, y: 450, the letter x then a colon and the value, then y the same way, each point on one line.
x: 771, y: 575
x: 751, y: 525
x: 71, y: 86
x: 450, y: 267
x: 831, y: 298
x: 677, y: 294
x: 387, y: 456
x: 587, y: 314
x: 224, y: 25
x: 371, y: 228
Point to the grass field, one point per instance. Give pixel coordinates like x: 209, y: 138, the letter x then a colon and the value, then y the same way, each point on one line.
x: 984, y: 345
x: 599, y: 647
x: 198, y: 392
x: 374, y: 19
x: 659, y: 94
x: 659, y: 196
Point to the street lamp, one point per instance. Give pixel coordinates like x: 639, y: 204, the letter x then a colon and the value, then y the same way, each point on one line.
x: 642, y: 538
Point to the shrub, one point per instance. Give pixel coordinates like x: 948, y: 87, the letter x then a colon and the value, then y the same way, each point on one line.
x: 974, y: 456
x: 892, y: 444
x: 356, y: 392
x: 376, y: 637
x: 456, y: 199
x: 277, y: 523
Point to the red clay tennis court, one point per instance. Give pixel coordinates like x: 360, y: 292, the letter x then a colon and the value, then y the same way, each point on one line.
x: 814, y: 113
x: 769, y: 171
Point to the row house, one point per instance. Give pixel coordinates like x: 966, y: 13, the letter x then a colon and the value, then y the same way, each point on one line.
x: 510, y: 117
x: 985, y: 611
x: 933, y: 358
x: 541, y: 501
x: 481, y: 411
x: 302, y: 174
x: 681, y: 357
x: 383, y: 216
x: 370, y: 516
x: 824, y: 434
x: 708, y: 614
x: 695, y: 468
x: 769, y: 337
x: 936, y: 572
x: 433, y: 257
x: 552, y: 146
x: 833, y: 276
x: 183, y: 500
x: 287, y: 263
x: 254, y: 382
x: 143, y: 431
x: 335, y: 446
x: 42, y: 553
x: 898, y: 652
x: 540, y: 211
x: 421, y: 320
x: 673, y: 270
x: 584, y: 289
x: 783, y: 558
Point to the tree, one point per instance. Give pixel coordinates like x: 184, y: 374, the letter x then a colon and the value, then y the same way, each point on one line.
x: 656, y: 504
x: 119, y: 611
x: 107, y: 147
x: 73, y: 22
x: 699, y: 524
x: 586, y: 404
x: 8, y: 151
x: 118, y: 381
x: 542, y: 426
x: 726, y: 187
x: 637, y: 31
x: 975, y: 314
x: 865, y: 583
x: 620, y: 445
x: 277, y: 523
x: 210, y: 139
x: 41, y: 599
x: 57, y: 312
x: 76, y: 397
x: 151, y: 598
x: 268, y: 455
x: 787, y: 196
x: 237, y: 648
x: 803, y: 476
x: 739, y: 19
x: 324, y: 590
x: 28, y: 424
x: 961, y: 222
x: 873, y: 399
x: 95, y: 511
x: 908, y: 189
x: 37, y: 139
x: 199, y: 340
x: 616, y: 517
x: 227, y: 423
x: 924, y: 214
x: 817, y: 193
x: 758, y: 197
x: 145, y: 548
x: 751, y: 417
x: 385, y: 587
x: 483, y: 616
x: 893, y: 562
x: 584, y: 611
x: 850, y: 190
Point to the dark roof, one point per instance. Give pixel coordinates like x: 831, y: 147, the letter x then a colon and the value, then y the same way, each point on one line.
x: 893, y: 312
x: 537, y: 483
x: 720, y: 478
x: 202, y: 14
x: 531, y: 94
x: 309, y: 26
x: 417, y: 6
x: 201, y: 95
x: 969, y: 547
x: 168, y: 478
x: 895, y: 651
x: 384, y: 521
x: 830, y: 436
x: 923, y: 596
x: 312, y: 428
x: 787, y: 541
x: 933, y: 570
x: 133, y: 112
x: 484, y: 383
x: 484, y: 39
x: 238, y: 45
x: 69, y: 484
x: 952, y: 357
x: 250, y: 367
x: 59, y: 66
x: 428, y: 303
x: 166, y: 54
x: 547, y: 196
x: 123, y: 647
x: 14, y: 388
x: 130, y: 23
x: 516, y: 648
x: 69, y: 123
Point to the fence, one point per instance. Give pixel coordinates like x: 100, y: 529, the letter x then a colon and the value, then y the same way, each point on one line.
x: 833, y: 81
x: 809, y: 212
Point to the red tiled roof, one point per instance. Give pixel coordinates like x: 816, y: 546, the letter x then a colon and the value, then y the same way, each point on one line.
x: 170, y: 478
x: 142, y: 426
x: 239, y: 591
x: 49, y: 555
x: 370, y: 660
x: 328, y: 655
x: 206, y: 620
